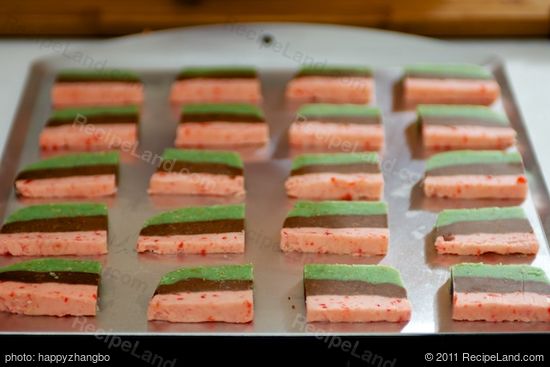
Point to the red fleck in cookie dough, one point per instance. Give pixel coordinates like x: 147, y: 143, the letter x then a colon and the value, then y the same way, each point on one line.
x: 497, y: 293
x: 465, y: 174
x: 87, y: 87
x: 333, y: 84
x: 337, y: 227
x: 487, y: 230
x: 195, y: 230
x: 83, y: 175
x: 449, y: 84
x: 198, y: 172
x: 216, y: 84
x: 56, y: 229
x: 91, y: 128
x: 337, y: 125
x: 50, y: 287
x: 336, y: 176
x: 205, y: 294
x: 446, y: 127
x: 221, y: 125
x: 355, y: 293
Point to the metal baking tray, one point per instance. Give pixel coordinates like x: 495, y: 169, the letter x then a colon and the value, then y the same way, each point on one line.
x: 129, y: 279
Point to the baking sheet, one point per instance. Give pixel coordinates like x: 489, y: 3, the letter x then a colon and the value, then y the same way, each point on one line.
x: 129, y: 279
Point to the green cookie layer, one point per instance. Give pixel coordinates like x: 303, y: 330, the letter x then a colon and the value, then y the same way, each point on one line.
x: 241, y: 109
x: 55, y: 265
x: 203, y: 156
x: 463, y: 112
x: 76, y: 160
x: 451, y: 216
x: 215, y: 273
x: 62, y: 210
x: 217, y: 71
x: 319, y: 208
x: 367, y: 273
x: 338, y: 110
x: 334, y: 158
x: 97, y: 75
x: 72, y: 113
x: 469, y: 71
x: 466, y: 157
x: 198, y: 214
x: 514, y: 272
x: 334, y: 70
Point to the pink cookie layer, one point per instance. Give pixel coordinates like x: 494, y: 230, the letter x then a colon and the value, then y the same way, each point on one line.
x: 476, y: 187
x: 496, y: 307
x: 345, y: 241
x: 218, y: 134
x: 331, y: 89
x: 52, y: 299
x: 481, y: 243
x: 196, y: 184
x: 54, y: 243
x: 75, y: 186
x: 225, y: 306
x: 467, y: 137
x: 209, y: 243
x: 335, y: 186
x: 451, y: 91
x: 88, y: 137
x: 96, y: 94
x: 216, y: 90
x: 335, y: 135
x: 357, y: 308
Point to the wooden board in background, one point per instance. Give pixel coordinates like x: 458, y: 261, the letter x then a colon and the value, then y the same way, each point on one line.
x: 427, y: 17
